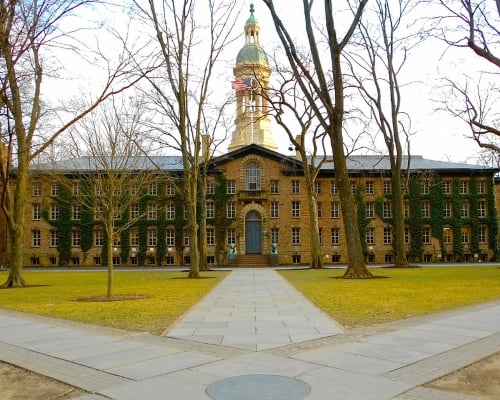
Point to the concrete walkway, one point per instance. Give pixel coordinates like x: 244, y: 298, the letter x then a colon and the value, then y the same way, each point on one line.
x: 254, y: 338
x: 254, y: 309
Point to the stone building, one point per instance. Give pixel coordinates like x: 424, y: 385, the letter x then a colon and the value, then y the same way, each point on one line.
x: 256, y: 198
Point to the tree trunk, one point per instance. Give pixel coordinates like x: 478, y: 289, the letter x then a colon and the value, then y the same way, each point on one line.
x: 401, y: 260
x: 109, y: 256
x: 15, y: 224
x: 316, y: 256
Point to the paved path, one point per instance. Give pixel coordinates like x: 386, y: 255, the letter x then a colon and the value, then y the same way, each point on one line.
x: 229, y: 363
x: 254, y: 309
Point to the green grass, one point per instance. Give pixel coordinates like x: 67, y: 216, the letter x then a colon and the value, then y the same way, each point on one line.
x: 169, y: 296
x: 405, y: 293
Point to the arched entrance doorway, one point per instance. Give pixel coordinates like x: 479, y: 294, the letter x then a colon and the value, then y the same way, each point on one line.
x: 253, y: 233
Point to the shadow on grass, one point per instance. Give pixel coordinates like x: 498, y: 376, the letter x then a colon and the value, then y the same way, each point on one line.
x: 116, y: 297
x: 367, y: 278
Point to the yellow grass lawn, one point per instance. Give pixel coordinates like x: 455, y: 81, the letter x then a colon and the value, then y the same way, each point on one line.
x: 169, y: 296
x: 404, y: 293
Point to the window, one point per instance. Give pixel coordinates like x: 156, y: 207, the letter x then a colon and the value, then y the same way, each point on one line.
x: 407, y: 235
x: 275, y: 186
x: 97, y: 260
x: 170, y: 237
x: 354, y: 187
x: 481, y: 234
x: 334, y: 189
x: 152, y: 237
x: 465, y: 235
x: 320, y: 235
x: 231, y: 236
x: 370, y: 235
x: 319, y: 208
x: 54, y: 238
x: 446, y: 187
x: 426, y: 209
x: 335, y: 236
x: 37, y: 212
x: 134, y: 238
x: 481, y: 187
x: 317, y: 187
x: 134, y: 210
x: 481, y: 209
x: 464, y: 187
x: 186, y: 238
x: 295, y: 209
x: 253, y: 176
x: 210, y: 209
x: 117, y: 191
x: 210, y: 236
x: 387, y: 188
x: 295, y: 235
x: 369, y: 209
x: 231, y: 209
x: 37, y: 189
x: 76, y: 188
x: 387, y: 235
x: 447, y: 235
x: 425, y: 188
x: 295, y: 186
x: 170, y: 189
x: 426, y: 235
x: 275, y: 235
x: 54, y: 189
x: 369, y: 187
x: 275, y: 209
x: 152, y: 211
x: 334, y: 209
x: 464, y: 209
x: 447, y: 209
x: 134, y: 189
x: 231, y: 187
x: 170, y: 211
x: 118, y: 212
x: 387, y: 209
x: 406, y: 209
x: 54, y: 211
x: 98, y: 212
x: 35, y: 260
x: 35, y: 238
x: 75, y: 238
x: 152, y: 189
x: 210, y: 187
x: 99, y: 238
x: 76, y: 212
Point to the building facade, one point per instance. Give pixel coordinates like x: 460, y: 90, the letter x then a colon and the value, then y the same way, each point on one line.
x: 257, y: 202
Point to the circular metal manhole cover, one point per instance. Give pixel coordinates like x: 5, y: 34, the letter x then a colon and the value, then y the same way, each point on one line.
x: 258, y: 387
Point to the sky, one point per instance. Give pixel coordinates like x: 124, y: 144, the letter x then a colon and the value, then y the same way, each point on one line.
x: 438, y: 136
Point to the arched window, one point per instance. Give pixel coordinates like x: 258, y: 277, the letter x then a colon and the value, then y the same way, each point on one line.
x: 253, y: 176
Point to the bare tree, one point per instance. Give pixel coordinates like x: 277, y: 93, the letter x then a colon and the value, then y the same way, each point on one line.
x: 28, y: 30
x: 473, y: 98
x: 324, y: 89
x: 385, y: 42
x: 294, y: 113
x: 189, y: 53
x: 110, y: 172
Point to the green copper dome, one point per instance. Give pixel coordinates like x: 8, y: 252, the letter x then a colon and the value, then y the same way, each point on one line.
x: 252, y: 53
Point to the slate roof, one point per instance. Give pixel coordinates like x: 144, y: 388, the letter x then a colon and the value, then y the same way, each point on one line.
x: 356, y: 163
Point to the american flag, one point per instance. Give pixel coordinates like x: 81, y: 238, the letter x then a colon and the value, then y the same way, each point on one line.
x: 242, y: 84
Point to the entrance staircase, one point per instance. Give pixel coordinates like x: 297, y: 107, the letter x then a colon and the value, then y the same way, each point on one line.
x: 252, y: 260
